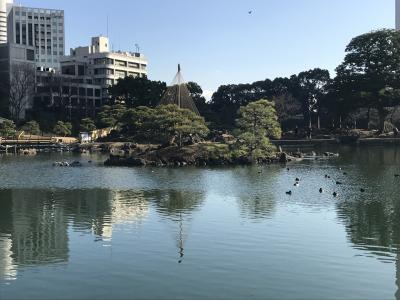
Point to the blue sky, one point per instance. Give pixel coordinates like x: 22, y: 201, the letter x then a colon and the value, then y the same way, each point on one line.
x: 217, y: 41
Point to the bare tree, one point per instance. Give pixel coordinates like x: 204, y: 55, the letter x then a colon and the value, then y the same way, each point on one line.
x: 21, y: 88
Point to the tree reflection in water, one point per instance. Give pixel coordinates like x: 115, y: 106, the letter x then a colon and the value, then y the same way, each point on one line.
x: 372, y: 219
x: 256, y: 198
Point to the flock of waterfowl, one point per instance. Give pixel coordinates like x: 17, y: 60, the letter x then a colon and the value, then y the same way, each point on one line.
x: 321, y: 190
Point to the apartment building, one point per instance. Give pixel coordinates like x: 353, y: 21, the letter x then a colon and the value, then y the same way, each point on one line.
x: 96, y: 64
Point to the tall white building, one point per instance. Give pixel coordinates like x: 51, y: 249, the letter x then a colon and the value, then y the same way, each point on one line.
x: 42, y: 29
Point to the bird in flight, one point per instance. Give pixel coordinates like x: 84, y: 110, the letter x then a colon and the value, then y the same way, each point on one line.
x: 250, y: 12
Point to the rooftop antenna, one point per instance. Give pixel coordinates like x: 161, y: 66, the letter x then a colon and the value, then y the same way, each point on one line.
x: 137, y: 48
x: 107, y: 26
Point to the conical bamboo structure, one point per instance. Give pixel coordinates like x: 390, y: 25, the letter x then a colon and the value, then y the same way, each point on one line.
x: 178, y: 94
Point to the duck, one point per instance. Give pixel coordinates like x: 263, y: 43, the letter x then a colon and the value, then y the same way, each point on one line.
x: 396, y: 175
x: 297, y: 179
x: 344, y: 173
x: 338, y: 183
x: 321, y: 190
x: 326, y: 176
x: 362, y: 190
x: 335, y: 194
x: 289, y: 193
x: 296, y: 184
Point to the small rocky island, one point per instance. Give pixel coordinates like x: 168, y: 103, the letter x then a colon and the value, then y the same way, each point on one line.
x: 200, y: 154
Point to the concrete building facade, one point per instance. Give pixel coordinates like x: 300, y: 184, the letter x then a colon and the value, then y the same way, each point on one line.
x: 398, y: 14
x: 42, y: 29
x: 96, y: 64
x: 72, y: 97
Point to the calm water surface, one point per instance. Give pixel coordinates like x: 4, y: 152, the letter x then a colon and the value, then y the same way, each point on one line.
x: 230, y: 233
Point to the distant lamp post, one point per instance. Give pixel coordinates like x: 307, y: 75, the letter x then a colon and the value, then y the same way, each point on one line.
x: 312, y: 108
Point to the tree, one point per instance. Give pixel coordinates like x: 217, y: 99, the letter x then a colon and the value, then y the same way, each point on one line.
x: 138, y: 91
x: 31, y: 127
x: 312, y: 86
x: 369, y: 77
x: 111, y: 116
x: 227, y: 100
x: 175, y: 123
x: 20, y: 88
x: 7, y: 129
x: 287, y: 107
x: 87, y: 125
x: 139, y: 122
x: 62, y: 129
x: 164, y: 124
x: 257, y: 123
x: 204, y: 107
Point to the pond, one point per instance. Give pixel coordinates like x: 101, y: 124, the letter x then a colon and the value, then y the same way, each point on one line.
x: 98, y: 232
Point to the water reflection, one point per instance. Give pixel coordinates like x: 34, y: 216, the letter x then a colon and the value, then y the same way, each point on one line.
x: 34, y: 223
x: 372, y: 219
x: 178, y: 208
x: 255, y: 192
x: 100, y: 210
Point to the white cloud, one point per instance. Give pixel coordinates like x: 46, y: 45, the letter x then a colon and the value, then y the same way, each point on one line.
x: 208, y: 94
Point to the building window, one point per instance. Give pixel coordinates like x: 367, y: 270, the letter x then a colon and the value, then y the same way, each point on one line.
x: 120, y: 63
x: 121, y: 74
x: 133, y: 65
x: 30, y: 34
x: 18, y: 33
x: 30, y: 55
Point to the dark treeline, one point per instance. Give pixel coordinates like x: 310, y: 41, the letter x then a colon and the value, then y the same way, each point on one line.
x: 365, y: 92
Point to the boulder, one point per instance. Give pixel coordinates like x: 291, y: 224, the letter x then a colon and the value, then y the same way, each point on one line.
x: 283, y: 158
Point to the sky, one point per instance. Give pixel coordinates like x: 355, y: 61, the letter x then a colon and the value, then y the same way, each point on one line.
x: 217, y: 41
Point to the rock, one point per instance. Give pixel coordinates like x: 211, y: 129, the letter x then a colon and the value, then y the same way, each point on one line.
x: 283, y: 158
x: 136, y: 162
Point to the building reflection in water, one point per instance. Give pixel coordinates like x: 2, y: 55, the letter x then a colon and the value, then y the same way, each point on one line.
x: 7, y: 265
x: 101, y: 210
x: 34, y: 223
